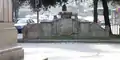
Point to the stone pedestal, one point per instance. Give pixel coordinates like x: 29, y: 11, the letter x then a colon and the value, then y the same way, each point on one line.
x: 65, y: 15
x: 68, y: 15
x: 9, y: 50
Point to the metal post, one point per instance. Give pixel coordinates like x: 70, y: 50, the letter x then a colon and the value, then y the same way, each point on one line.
x: 37, y: 10
x: 37, y: 16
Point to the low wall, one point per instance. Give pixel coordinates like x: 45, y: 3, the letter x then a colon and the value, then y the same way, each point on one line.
x: 92, y: 30
x: 36, y: 31
x: 8, y: 34
x: 8, y: 43
x: 75, y: 30
x: 31, y: 31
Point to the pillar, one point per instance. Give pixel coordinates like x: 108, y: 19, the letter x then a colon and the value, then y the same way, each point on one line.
x: 9, y: 50
x: 5, y: 11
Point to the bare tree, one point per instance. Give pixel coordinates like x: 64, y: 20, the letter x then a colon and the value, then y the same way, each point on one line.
x: 95, y: 2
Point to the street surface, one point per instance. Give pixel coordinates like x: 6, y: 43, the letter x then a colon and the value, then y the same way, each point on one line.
x: 71, y: 51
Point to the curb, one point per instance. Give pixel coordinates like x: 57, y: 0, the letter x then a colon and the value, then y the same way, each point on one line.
x: 69, y: 41
x: 12, y: 53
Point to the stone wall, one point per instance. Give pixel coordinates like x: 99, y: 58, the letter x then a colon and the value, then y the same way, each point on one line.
x: 36, y: 31
x: 56, y: 27
x: 90, y: 30
x: 66, y: 26
x: 46, y: 29
x: 31, y: 31
x: 8, y: 34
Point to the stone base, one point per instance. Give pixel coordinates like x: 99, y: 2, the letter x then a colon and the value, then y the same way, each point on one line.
x: 13, y: 53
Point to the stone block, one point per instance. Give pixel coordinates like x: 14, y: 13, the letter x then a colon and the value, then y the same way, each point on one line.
x: 35, y: 31
x: 13, y: 53
x: 31, y: 31
x: 89, y: 30
x: 8, y: 43
x: 98, y: 34
x: 84, y: 27
x: 66, y: 27
x: 47, y: 29
x: 8, y: 35
x: 96, y: 27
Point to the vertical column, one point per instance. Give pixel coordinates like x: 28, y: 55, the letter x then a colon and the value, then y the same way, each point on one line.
x: 10, y: 10
x: 1, y: 10
x: 6, y: 10
x: 8, y: 43
x: 6, y: 15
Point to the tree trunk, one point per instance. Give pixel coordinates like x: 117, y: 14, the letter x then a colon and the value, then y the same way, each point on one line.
x: 95, y: 10
x: 106, y: 15
x: 15, y: 10
x: 16, y: 13
x: 12, y: 10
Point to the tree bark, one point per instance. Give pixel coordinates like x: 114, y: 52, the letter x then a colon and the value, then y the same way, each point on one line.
x: 95, y: 10
x: 106, y: 15
x: 12, y: 10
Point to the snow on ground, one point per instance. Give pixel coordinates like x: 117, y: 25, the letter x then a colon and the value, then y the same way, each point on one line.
x: 71, y: 51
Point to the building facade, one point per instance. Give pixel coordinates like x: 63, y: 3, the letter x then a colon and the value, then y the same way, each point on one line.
x: 5, y: 11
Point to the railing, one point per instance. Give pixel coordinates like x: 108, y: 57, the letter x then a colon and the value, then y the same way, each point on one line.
x: 114, y: 28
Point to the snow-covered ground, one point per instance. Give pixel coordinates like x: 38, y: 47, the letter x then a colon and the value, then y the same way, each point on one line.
x: 71, y: 51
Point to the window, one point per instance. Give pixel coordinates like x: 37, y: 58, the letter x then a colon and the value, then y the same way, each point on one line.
x: 22, y: 21
x: 31, y: 21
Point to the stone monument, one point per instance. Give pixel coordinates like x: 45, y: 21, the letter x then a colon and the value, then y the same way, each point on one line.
x: 66, y: 24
